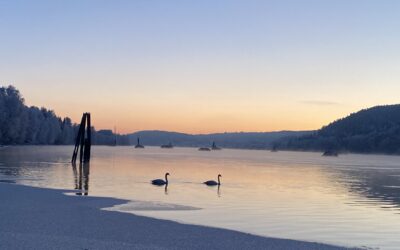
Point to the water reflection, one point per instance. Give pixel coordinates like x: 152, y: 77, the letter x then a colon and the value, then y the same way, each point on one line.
x: 349, y: 199
x: 380, y: 187
x: 81, y: 178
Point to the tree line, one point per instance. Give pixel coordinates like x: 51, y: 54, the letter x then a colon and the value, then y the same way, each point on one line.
x: 373, y: 130
x: 20, y: 124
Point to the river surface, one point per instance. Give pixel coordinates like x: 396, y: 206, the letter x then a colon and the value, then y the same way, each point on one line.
x: 350, y: 200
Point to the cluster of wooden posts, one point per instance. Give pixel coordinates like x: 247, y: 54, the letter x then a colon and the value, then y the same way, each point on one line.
x: 83, y: 141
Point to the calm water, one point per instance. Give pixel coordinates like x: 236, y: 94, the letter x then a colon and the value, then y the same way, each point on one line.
x: 352, y: 200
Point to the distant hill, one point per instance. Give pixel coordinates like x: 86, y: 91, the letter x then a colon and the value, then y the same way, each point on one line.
x: 373, y: 130
x: 262, y: 140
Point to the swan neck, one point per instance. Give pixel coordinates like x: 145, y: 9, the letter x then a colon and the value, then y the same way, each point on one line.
x: 166, y: 178
x: 219, y: 182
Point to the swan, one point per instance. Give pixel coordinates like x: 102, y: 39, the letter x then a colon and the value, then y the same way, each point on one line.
x: 161, y: 182
x: 214, y: 183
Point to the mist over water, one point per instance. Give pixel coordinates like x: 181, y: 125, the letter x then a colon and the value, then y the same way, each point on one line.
x: 350, y: 200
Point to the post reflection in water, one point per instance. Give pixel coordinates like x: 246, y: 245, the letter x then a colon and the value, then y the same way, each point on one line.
x: 81, y: 178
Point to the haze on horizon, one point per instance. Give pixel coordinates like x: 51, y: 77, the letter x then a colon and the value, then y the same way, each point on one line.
x: 202, y: 66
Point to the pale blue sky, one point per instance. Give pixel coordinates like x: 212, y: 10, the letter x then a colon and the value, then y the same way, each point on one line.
x: 202, y: 66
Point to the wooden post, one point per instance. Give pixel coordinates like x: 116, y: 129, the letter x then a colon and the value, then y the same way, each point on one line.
x: 78, y: 140
x: 83, y: 140
x: 88, y: 140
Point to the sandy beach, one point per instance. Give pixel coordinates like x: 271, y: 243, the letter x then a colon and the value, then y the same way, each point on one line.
x: 35, y: 218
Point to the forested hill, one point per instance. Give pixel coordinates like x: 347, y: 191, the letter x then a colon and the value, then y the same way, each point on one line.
x: 373, y: 130
x: 20, y: 124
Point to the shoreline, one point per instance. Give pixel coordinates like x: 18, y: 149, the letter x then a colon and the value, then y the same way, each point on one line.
x: 40, y: 218
x: 227, y: 148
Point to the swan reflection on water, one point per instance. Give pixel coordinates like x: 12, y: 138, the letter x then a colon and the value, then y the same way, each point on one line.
x: 219, y: 193
x: 165, y: 188
x: 81, y: 178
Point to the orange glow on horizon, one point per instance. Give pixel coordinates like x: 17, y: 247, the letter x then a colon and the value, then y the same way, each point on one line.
x: 203, y: 122
x: 191, y: 114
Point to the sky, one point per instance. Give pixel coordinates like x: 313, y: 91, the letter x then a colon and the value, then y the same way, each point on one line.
x: 202, y: 66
